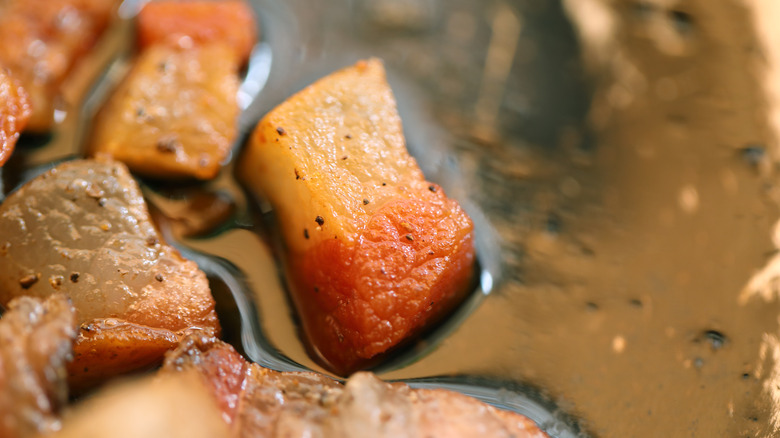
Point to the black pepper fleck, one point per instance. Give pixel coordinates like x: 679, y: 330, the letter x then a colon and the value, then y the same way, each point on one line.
x: 74, y: 277
x: 167, y: 145
x: 305, y: 233
x: 281, y: 131
x: 384, y: 184
x: 366, y: 202
x: 297, y: 175
x: 432, y: 188
x: 27, y: 281
x: 409, y: 237
x: 348, y: 136
x: 151, y: 241
x: 55, y: 281
x: 320, y: 220
x: 159, y: 277
x: 344, y: 157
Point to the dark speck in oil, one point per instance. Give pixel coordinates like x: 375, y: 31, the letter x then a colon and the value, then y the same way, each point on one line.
x: 753, y: 154
x: 715, y: 338
x: 682, y: 20
x: 553, y: 224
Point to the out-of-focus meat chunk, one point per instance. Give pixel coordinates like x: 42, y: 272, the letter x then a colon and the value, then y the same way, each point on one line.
x: 229, y: 22
x: 83, y: 229
x: 171, y: 406
x: 260, y: 402
x: 35, y: 341
x: 14, y: 113
x: 376, y: 253
x: 368, y: 404
x: 175, y: 115
x: 41, y: 41
x: 254, y: 399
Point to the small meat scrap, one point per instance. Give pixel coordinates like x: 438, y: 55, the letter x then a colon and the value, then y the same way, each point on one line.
x: 175, y: 115
x: 36, y: 337
x: 385, y: 245
x: 258, y: 402
x: 83, y: 229
x: 41, y: 41
x: 14, y: 113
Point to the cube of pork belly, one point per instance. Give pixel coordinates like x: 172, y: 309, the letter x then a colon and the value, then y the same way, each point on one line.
x: 42, y: 40
x: 376, y: 253
x: 14, y: 113
x: 83, y: 229
x: 175, y: 115
x: 230, y: 22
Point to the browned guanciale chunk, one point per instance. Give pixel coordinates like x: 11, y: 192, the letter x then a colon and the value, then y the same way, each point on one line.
x: 376, y: 252
x: 35, y: 341
x: 83, y: 229
x: 258, y: 402
x: 42, y: 40
x: 175, y: 115
x: 14, y: 113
